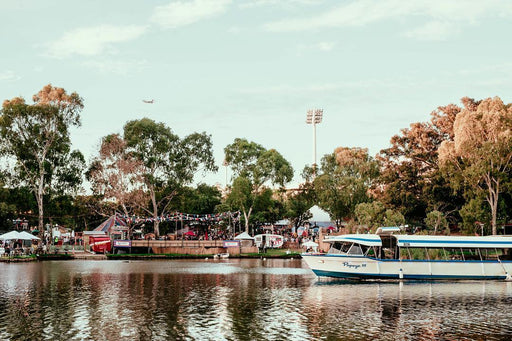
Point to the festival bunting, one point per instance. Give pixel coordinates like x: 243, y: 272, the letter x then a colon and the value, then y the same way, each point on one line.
x: 179, y: 216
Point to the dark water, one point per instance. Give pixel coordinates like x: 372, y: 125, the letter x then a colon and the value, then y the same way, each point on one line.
x: 238, y: 300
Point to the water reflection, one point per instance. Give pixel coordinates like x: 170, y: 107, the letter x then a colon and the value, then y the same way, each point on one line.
x: 237, y: 300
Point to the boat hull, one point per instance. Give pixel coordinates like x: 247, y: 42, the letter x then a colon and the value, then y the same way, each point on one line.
x: 359, y: 267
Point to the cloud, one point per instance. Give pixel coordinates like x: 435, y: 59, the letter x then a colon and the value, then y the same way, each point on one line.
x: 438, y: 13
x: 9, y: 76
x: 434, y: 30
x: 325, y: 45
x: 181, y: 13
x: 281, y: 3
x: 116, y: 66
x: 92, y: 41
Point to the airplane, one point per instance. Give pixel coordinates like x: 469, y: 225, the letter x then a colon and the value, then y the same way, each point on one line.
x: 148, y: 101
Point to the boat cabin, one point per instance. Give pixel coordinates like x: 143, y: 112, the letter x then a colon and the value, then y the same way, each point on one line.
x: 386, y: 245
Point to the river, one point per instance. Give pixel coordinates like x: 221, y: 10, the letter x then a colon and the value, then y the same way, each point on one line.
x: 247, y: 299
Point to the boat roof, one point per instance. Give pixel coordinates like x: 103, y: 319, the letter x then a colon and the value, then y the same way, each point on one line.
x: 485, y: 242
x: 363, y: 239
x: 386, y: 230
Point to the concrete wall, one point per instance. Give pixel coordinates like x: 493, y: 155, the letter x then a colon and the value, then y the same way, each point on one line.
x: 203, y: 250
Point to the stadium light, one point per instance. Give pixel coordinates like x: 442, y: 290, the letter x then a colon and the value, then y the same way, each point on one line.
x: 314, y: 117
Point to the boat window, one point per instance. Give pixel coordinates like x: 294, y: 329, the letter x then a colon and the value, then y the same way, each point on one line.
x: 369, y: 251
x: 355, y: 250
x: 340, y: 247
x: 413, y: 253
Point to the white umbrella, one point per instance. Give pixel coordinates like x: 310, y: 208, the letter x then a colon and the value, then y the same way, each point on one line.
x: 10, y: 235
x: 27, y: 236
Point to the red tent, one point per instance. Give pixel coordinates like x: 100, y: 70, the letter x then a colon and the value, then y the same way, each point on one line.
x: 112, y: 223
x: 190, y: 233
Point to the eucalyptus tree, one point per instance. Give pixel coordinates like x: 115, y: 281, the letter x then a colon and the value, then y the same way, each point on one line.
x: 36, y: 138
x: 410, y: 177
x: 374, y: 214
x: 116, y: 175
x: 346, y: 178
x: 168, y: 161
x: 254, y: 167
x: 480, y: 155
x: 299, y: 201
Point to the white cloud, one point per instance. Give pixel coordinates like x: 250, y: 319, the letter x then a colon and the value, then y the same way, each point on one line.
x: 116, y: 66
x: 92, y: 41
x: 439, y: 13
x: 434, y: 30
x: 325, y: 45
x: 281, y: 3
x: 182, y: 13
x: 9, y: 76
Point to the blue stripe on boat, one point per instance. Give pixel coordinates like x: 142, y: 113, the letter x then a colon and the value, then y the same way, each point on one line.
x: 340, y: 274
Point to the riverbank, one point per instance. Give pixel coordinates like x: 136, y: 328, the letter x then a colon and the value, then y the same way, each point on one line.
x: 276, y: 254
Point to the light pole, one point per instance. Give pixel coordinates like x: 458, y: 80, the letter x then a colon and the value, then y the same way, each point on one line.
x: 226, y: 164
x: 314, y: 117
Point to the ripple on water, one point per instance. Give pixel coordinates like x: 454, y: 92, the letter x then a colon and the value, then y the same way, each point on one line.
x: 238, y: 300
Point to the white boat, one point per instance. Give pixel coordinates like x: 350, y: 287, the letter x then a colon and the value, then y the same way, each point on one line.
x: 388, y: 256
x: 221, y: 255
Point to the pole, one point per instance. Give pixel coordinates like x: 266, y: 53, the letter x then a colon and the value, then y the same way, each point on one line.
x: 314, y: 147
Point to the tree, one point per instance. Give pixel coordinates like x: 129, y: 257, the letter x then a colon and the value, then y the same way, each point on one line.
x: 116, y: 174
x: 375, y: 214
x: 36, y: 137
x: 253, y: 167
x: 410, y: 179
x: 345, y: 181
x: 436, y: 220
x: 298, y: 202
x: 480, y: 155
x: 168, y: 161
x: 243, y: 197
x: 203, y: 199
x: 370, y: 214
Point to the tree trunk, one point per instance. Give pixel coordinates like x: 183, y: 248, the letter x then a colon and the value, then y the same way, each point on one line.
x: 247, y: 215
x: 40, y: 211
x: 492, y: 199
x: 494, y: 214
x: 156, y: 222
x: 40, y: 208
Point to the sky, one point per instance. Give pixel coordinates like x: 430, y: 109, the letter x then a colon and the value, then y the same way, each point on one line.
x: 252, y: 69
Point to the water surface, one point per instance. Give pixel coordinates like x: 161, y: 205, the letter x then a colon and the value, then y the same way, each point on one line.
x: 238, y: 300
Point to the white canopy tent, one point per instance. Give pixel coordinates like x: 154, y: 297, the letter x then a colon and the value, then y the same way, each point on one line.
x: 27, y: 236
x: 244, y: 236
x: 12, y: 235
x: 310, y: 244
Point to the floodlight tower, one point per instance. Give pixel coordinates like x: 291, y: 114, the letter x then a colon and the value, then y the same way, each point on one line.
x: 314, y: 117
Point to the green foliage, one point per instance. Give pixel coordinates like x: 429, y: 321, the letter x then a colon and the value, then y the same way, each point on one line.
x: 436, y: 221
x: 370, y: 214
x: 203, y: 199
x: 393, y: 218
x: 298, y: 203
x: 36, y: 137
x: 254, y: 167
x: 347, y: 176
x: 169, y: 162
x: 411, y: 179
x: 473, y: 213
